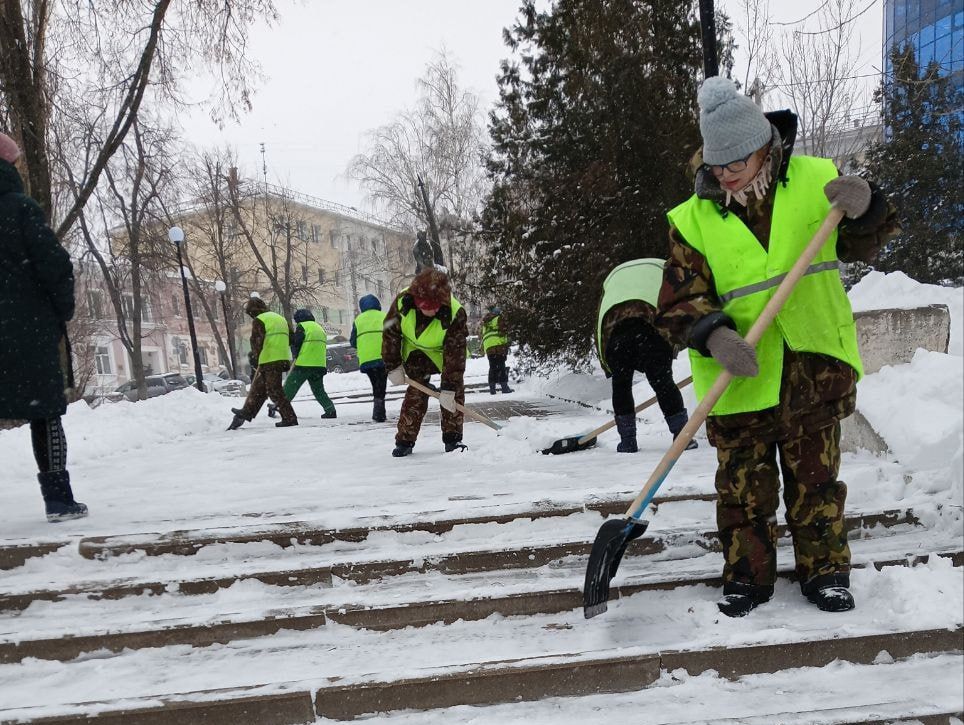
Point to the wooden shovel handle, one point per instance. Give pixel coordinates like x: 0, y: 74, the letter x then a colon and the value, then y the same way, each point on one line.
x: 638, y: 409
x: 461, y: 408
x: 754, y: 335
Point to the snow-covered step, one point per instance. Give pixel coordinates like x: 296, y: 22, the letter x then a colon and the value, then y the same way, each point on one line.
x: 530, y: 554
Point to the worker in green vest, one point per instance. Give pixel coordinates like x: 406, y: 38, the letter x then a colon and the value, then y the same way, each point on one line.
x: 495, y: 345
x: 366, y: 338
x: 626, y: 342
x: 270, y: 358
x: 425, y: 334
x: 755, y: 208
x: 309, y: 348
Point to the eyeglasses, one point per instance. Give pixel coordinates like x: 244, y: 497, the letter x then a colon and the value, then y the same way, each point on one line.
x: 734, y: 167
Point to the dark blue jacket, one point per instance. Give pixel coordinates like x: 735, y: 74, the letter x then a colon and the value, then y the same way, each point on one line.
x: 366, y: 303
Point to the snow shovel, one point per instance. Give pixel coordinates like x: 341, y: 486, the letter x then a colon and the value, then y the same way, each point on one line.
x: 581, y: 443
x: 461, y: 408
x: 613, y: 537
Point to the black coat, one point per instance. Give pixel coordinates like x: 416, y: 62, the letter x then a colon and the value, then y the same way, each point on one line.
x: 36, y: 300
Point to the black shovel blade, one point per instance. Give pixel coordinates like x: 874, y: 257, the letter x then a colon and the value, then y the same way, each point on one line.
x: 568, y: 445
x: 607, y: 551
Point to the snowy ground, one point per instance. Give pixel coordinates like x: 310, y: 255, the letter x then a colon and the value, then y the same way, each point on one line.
x: 168, y: 464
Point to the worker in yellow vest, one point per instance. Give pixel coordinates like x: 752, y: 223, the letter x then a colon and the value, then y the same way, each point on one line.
x: 270, y: 357
x: 495, y: 345
x: 755, y: 208
x: 424, y: 335
x: 309, y: 348
x: 626, y: 342
x: 366, y: 338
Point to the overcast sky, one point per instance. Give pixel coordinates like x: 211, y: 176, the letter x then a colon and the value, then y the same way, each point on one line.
x: 336, y: 68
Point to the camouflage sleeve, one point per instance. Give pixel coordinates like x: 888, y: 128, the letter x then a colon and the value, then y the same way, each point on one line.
x: 453, y: 352
x: 257, y: 337
x: 860, y: 239
x: 392, y: 337
x: 689, y: 309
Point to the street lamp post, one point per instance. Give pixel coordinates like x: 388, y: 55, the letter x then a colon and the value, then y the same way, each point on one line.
x: 222, y: 288
x: 176, y: 235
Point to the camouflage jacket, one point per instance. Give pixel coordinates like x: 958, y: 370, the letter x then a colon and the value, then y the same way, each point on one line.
x: 816, y: 390
x: 453, y: 350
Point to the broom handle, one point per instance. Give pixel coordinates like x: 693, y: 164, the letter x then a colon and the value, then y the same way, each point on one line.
x: 467, y: 411
x: 773, y: 307
x: 639, y: 408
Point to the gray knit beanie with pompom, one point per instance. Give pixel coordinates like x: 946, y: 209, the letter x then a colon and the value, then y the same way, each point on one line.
x: 732, y: 125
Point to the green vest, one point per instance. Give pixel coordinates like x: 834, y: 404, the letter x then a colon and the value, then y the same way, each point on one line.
x: 368, y: 335
x: 275, y: 338
x: 314, y: 348
x: 638, y: 279
x: 432, y: 338
x: 491, y: 336
x: 816, y: 318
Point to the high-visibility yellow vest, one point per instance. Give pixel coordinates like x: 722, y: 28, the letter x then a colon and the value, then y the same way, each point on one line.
x: 275, y: 338
x: 637, y: 279
x: 816, y: 318
x: 491, y: 336
x: 314, y: 348
x: 368, y: 335
x: 432, y: 338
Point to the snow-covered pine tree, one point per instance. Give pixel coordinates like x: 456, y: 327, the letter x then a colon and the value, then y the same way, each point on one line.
x: 920, y: 163
x: 591, y: 137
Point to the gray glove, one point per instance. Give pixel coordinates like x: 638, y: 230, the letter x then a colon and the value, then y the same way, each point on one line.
x: 446, y: 399
x: 733, y: 353
x: 850, y: 194
x: 397, y: 376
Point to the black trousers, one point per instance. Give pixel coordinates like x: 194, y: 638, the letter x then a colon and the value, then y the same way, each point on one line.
x: 635, y: 345
x: 498, y: 372
x: 49, y: 444
x: 379, y: 379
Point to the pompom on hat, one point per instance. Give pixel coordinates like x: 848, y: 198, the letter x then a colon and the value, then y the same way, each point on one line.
x: 732, y: 125
x: 9, y: 151
x: 432, y: 286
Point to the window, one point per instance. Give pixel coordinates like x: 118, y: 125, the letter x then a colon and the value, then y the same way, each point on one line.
x: 95, y: 304
x: 321, y: 276
x: 374, y: 246
x: 331, y: 237
x: 176, y: 305
x: 324, y: 314
x: 128, y: 303
x: 315, y: 233
x: 203, y: 354
x: 102, y: 360
x: 180, y: 349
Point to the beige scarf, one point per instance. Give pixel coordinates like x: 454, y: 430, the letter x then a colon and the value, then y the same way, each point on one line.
x: 758, y: 186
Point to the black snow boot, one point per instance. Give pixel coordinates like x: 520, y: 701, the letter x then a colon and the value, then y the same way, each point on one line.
x: 491, y: 388
x: 378, y: 410
x: 455, y: 446
x: 239, y: 419
x: 286, y: 423
x: 506, y: 388
x: 272, y: 410
x: 626, y: 425
x: 402, y: 449
x: 740, y: 599
x: 329, y: 414
x: 676, y: 423
x: 830, y: 592
x: 58, y: 497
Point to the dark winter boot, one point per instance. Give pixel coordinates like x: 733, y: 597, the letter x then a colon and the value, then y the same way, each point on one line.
x: 491, y: 388
x: 272, y: 410
x: 286, y: 423
x: 830, y: 592
x: 455, y: 446
x: 378, y: 410
x: 506, y: 388
x: 329, y: 414
x: 740, y: 599
x: 239, y: 419
x: 626, y: 425
x: 676, y: 422
x: 58, y: 498
x: 402, y: 449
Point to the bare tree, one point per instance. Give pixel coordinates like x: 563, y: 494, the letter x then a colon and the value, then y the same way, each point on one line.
x: 129, y: 49
x: 755, y: 29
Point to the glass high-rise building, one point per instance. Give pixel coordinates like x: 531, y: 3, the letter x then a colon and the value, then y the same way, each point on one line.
x: 935, y: 28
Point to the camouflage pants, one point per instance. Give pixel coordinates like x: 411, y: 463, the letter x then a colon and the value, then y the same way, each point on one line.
x: 416, y: 404
x: 265, y: 384
x: 748, y: 488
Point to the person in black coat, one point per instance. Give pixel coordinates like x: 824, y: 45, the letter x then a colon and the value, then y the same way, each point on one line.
x: 36, y: 301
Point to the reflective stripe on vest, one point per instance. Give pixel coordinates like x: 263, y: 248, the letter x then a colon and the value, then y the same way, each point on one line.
x: 816, y: 318
x: 638, y: 279
x: 314, y: 348
x: 491, y: 336
x: 432, y: 338
x: 368, y: 335
x: 275, y: 338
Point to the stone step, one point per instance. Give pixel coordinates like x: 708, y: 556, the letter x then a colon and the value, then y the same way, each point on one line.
x: 495, y: 682
x: 530, y: 555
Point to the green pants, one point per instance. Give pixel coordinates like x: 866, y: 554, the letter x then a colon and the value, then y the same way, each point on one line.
x: 316, y: 379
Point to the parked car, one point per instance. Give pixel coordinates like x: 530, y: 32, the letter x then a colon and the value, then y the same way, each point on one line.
x: 216, y: 384
x: 156, y: 385
x: 342, y: 358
